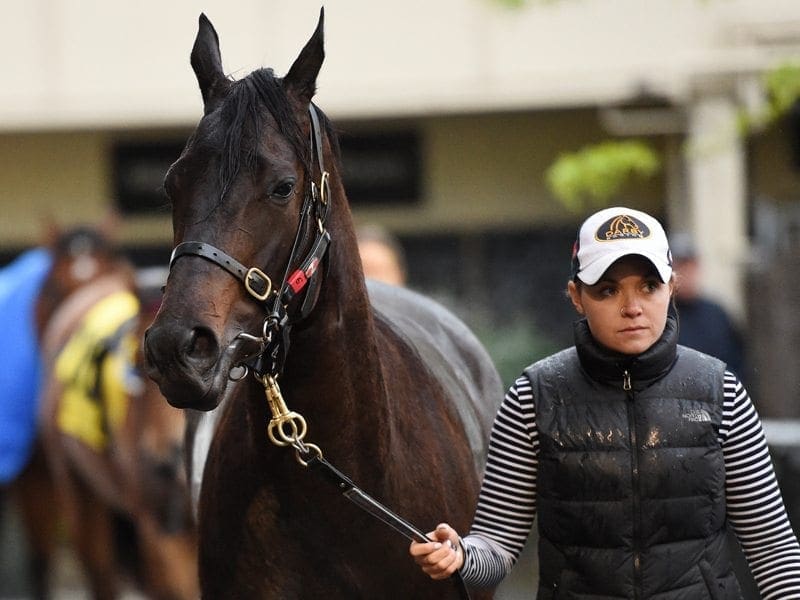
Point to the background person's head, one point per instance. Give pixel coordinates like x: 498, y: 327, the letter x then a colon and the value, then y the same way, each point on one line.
x: 686, y: 264
x: 382, y: 256
x: 622, y: 278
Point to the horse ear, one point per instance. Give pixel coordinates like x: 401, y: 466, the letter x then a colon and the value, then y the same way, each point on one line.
x: 110, y: 225
x: 301, y: 80
x: 207, y: 63
x: 50, y: 231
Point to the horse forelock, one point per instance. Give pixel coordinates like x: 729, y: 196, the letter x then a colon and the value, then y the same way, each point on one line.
x: 242, y: 114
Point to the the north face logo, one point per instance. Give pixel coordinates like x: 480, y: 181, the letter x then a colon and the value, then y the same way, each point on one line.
x: 697, y: 415
x: 622, y: 227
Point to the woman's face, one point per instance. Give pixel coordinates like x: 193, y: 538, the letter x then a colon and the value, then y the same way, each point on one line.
x: 627, y: 308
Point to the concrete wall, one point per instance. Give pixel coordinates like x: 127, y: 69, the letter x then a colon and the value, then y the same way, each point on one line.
x: 90, y: 63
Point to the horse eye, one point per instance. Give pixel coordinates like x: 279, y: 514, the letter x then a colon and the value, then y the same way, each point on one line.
x: 283, y: 190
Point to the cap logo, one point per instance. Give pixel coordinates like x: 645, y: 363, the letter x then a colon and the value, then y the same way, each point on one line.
x: 622, y: 227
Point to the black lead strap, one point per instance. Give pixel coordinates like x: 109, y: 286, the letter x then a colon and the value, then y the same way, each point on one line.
x: 368, y: 504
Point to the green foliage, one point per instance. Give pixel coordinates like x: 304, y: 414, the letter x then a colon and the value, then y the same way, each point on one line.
x: 596, y: 173
x: 782, y: 89
x: 783, y: 86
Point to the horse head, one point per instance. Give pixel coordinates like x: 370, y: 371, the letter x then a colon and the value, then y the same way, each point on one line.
x: 249, y: 203
x: 82, y: 254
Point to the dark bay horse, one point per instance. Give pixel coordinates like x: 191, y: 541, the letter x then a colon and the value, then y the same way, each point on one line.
x: 393, y: 389
x: 111, y: 444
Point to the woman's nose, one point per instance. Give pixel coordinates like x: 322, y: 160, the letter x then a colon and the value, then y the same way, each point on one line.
x: 630, y: 308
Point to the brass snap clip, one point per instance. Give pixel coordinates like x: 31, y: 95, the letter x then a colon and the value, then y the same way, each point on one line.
x: 286, y: 427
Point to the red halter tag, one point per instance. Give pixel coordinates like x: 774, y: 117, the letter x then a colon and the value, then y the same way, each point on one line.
x: 297, y: 281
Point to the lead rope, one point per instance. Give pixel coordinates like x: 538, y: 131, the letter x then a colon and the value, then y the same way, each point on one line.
x: 289, y: 428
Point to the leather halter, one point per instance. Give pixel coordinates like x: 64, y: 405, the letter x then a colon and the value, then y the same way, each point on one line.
x: 275, y: 340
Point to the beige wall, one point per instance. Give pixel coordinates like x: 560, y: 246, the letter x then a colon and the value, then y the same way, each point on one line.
x: 93, y: 63
x: 479, y: 172
x: 488, y: 171
x: 59, y: 176
x: 63, y: 177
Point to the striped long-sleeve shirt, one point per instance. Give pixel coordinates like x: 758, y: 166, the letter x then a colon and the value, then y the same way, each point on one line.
x: 507, y: 504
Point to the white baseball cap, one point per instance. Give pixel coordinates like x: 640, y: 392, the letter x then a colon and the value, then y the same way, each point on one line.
x: 612, y: 233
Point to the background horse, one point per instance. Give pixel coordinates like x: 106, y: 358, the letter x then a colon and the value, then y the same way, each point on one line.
x: 111, y: 445
x: 393, y: 387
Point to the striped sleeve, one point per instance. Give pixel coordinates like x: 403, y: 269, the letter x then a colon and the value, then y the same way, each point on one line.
x: 755, y: 506
x: 506, y: 506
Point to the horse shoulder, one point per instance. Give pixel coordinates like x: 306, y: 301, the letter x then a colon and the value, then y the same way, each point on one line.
x: 448, y: 351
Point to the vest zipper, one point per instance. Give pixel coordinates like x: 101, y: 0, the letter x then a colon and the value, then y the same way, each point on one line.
x: 637, y: 567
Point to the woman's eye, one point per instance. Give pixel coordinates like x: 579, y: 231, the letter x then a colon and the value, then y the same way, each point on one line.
x: 283, y: 190
x: 606, y: 291
x: 651, y: 286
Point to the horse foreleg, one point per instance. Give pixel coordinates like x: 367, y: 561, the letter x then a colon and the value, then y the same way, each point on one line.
x: 169, y: 562
x: 94, y: 542
x: 35, y: 495
x: 90, y: 527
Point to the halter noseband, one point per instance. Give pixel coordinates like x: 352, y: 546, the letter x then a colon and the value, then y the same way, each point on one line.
x: 274, y: 342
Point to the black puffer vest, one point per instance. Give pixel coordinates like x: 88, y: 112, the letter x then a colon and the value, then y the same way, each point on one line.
x: 631, y: 476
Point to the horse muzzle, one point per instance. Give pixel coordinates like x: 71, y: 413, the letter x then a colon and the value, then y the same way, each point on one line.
x: 187, y: 364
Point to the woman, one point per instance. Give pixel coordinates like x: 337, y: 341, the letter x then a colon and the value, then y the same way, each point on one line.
x: 635, y: 452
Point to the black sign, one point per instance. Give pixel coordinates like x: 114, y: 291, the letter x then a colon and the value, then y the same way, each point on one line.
x: 381, y: 169
x: 139, y: 170
x: 378, y: 169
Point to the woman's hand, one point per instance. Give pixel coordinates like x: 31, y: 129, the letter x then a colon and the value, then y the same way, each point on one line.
x: 441, y: 557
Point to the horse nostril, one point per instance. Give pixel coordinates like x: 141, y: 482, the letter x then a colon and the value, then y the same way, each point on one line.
x: 202, y: 344
x: 183, y: 361
x: 171, y: 345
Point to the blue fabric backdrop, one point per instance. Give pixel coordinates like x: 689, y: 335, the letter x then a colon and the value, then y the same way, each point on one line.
x: 20, y: 363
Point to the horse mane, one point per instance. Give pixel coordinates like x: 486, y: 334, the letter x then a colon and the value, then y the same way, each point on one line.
x: 261, y: 89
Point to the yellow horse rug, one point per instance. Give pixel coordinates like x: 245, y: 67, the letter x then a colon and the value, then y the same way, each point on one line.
x: 93, y: 372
